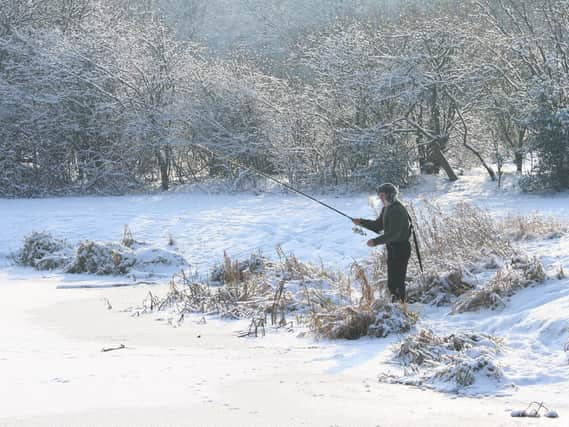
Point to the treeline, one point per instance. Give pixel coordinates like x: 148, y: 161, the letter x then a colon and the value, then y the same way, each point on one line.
x: 107, y: 96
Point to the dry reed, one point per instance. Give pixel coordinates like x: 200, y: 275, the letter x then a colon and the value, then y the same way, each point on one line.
x: 518, y: 273
x: 534, y: 226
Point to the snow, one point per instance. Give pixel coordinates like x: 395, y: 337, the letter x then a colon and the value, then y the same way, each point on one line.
x: 202, y: 226
x: 54, y: 325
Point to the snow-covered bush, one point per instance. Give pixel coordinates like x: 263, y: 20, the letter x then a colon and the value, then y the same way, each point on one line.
x: 450, y: 363
x: 440, y: 289
x: 102, y: 258
x: 520, y: 272
x: 234, y: 271
x: 549, y: 122
x: 150, y: 258
x: 353, y: 322
x: 44, y: 252
x: 114, y: 258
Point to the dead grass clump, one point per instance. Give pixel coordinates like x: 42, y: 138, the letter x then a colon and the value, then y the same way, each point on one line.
x: 255, y: 289
x: 44, y: 252
x: 520, y: 272
x: 391, y: 319
x: 127, y: 237
x: 102, y: 258
x: 448, y: 363
x: 465, y: 372
x: 519, y: 227
x: 354, y: 322
x: 237, y: 300
x: 343, y: 323
x: 464, y: 235
x: 235, y: 271
x: 367, y: 292
x: 291, y: 268
x: 440, y: 289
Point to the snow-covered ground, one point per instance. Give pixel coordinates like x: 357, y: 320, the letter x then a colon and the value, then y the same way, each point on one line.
x: 54, y: 373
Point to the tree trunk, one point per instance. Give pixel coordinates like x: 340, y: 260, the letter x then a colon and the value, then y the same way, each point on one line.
x: 163, y: 160
x: 519, y: 154
x: 434, y: 151
x: 443, y: 162
x: 518, y: 160
x: 477, y: 154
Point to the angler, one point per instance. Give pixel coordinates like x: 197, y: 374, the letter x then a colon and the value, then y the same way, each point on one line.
x: 395, y: 222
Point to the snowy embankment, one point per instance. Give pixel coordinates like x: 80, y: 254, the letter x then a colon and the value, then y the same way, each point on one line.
x: 54, y: 372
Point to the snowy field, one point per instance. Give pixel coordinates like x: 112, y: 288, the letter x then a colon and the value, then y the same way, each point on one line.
x: 52, y: 329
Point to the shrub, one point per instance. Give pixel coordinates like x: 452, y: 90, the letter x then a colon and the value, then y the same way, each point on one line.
x: 43, y: 252
x: 449, y: 363
x: 102, y: 258
x: 549, y: 123
x: 352, y: 322
x: 519, y: 227
x: 520, y: 272
x: 440, y: 289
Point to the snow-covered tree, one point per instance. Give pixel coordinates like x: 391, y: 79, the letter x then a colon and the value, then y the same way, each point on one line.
x: 535, y: 50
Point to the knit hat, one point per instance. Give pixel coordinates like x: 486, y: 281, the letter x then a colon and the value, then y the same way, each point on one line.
x: 389, y: 189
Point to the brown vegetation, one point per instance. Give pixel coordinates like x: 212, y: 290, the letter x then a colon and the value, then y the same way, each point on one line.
x: 518, y: 273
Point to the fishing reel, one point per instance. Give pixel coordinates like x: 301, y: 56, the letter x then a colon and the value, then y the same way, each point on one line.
x: 358, y: 230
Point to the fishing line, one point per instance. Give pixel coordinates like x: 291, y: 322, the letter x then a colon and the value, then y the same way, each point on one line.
x: 263, y: 174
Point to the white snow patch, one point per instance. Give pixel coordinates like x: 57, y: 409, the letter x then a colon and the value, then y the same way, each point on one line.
x: 54, y: 373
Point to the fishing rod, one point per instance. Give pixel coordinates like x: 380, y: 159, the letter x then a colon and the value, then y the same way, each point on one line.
x: 263, y: 174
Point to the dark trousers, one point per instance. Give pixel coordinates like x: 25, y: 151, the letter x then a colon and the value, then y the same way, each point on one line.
x: 398, y: 255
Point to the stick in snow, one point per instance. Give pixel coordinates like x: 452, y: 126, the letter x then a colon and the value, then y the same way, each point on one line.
x: 113, y: 348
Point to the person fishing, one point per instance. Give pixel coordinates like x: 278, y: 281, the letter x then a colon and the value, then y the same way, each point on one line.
x: 395, y: 223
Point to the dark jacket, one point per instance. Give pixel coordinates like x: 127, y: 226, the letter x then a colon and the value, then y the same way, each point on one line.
x: 393, y: 221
